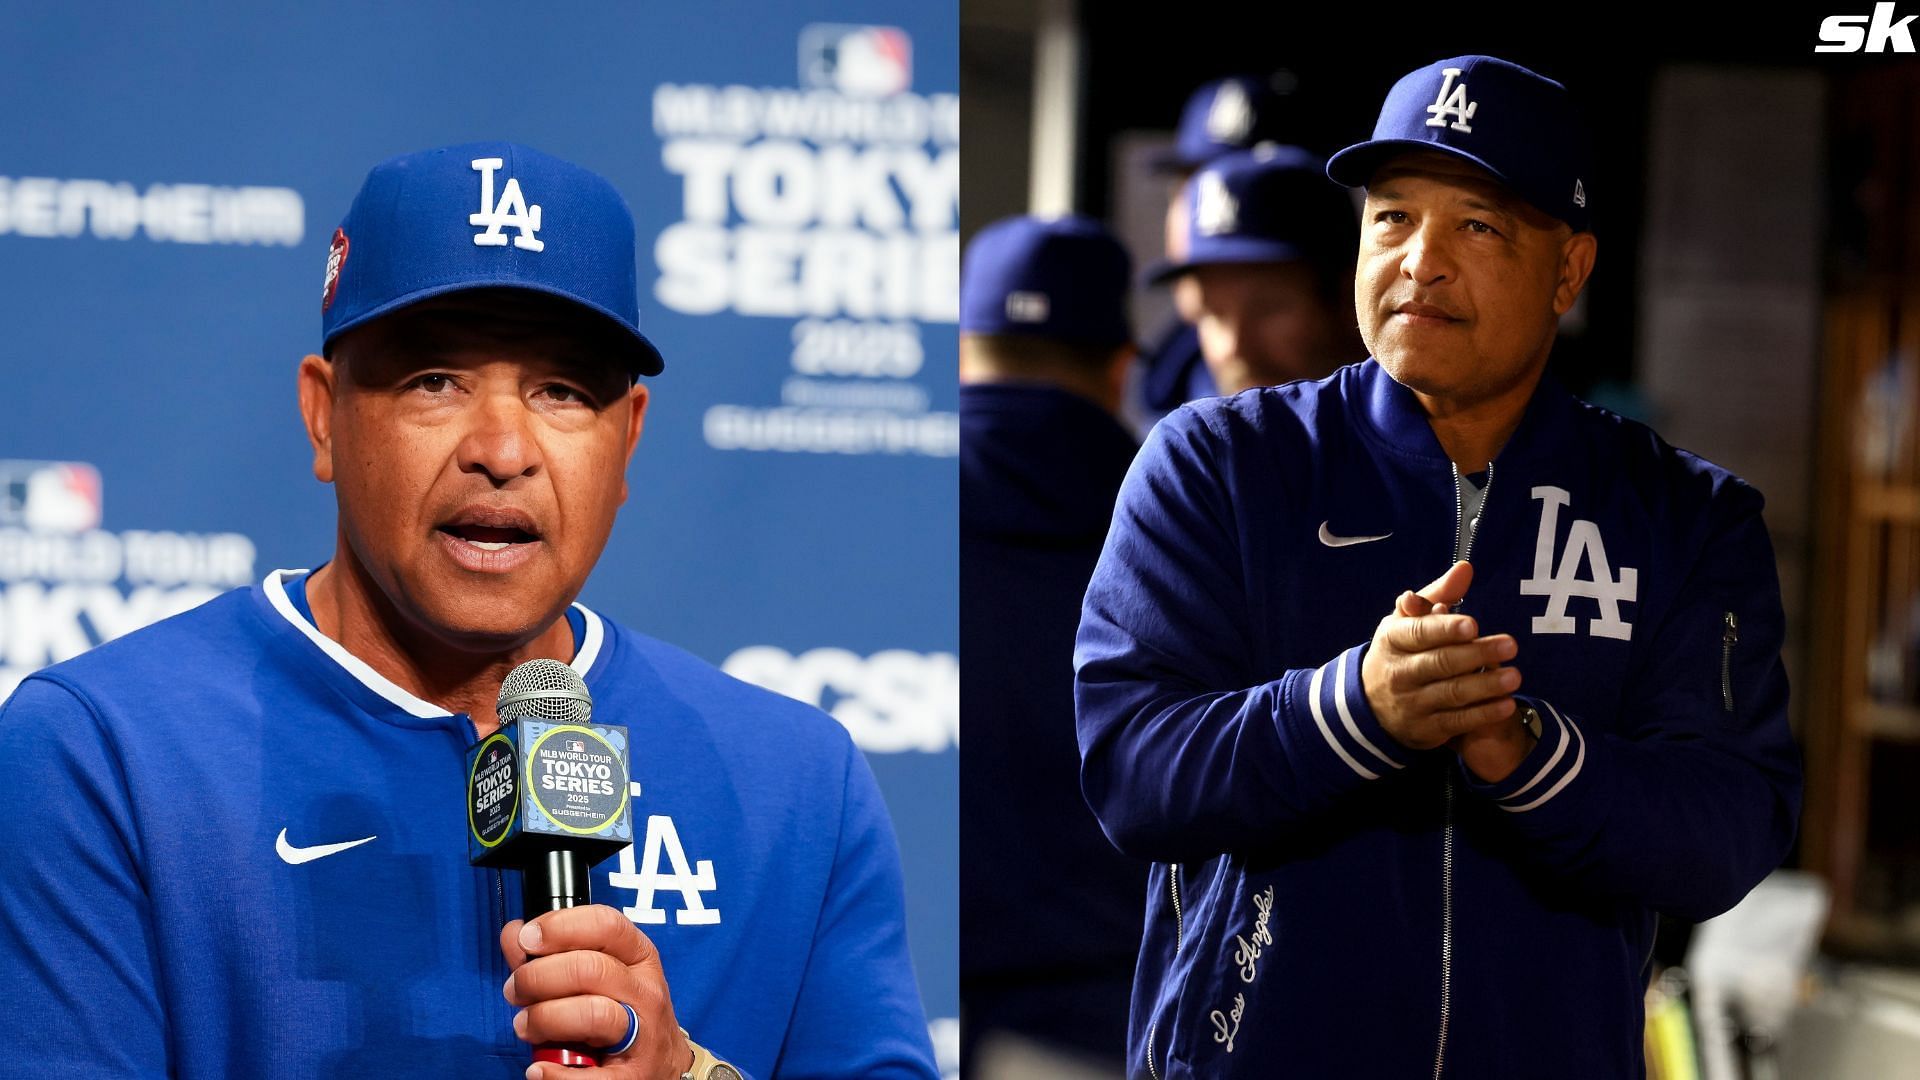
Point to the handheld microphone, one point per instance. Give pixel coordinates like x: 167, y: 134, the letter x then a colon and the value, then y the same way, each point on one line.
x: 547, y: 796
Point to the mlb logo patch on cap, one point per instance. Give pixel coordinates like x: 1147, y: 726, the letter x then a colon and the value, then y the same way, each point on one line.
x: 1063, y: 278
x: 485, y: 215
x: 1028, y: 307
x: 336, y: 261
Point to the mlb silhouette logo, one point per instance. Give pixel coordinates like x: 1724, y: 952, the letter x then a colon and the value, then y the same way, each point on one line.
x: 1027, y: 307
x: 870, y: 61
x: 50, y: 496
x: 578, y: 746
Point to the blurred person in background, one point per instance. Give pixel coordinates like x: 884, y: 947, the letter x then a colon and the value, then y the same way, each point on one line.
x: 1050, y: 912
x: 1221, y: 117
x: 1266, y: 274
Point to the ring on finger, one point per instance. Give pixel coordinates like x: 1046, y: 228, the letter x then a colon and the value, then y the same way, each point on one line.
x: 633, y: 1032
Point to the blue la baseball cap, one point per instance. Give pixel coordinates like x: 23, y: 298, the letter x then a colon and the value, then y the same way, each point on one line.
x: 1520, y: 126
x: 1269, y: 204
x: 1063, y: 278
x: 485, y: 215
x: 1222, y: 116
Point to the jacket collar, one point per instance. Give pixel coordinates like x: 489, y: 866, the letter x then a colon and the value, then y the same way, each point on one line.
x: 1391, y: 416
x: 373, y: 690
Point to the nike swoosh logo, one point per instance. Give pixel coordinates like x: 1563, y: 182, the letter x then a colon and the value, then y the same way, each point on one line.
x: 1331, y: 540
x: 294, y: 856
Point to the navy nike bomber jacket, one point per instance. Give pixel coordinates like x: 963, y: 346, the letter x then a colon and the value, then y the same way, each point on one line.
x: 1328, y: 903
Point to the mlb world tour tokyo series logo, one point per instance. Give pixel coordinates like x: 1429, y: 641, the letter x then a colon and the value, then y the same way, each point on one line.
x: 575, y: 783
x: 835, y: 204
x: 67, y: 585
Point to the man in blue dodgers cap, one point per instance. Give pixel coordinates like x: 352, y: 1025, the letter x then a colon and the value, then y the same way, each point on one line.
x: 1268, y: 259
x: 1221, y: 117
x: 1049, y: 913
x: 1425, y: 833
x: 244, y: 853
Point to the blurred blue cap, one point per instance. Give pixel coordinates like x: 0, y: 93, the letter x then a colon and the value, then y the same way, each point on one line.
x: 1221, y: 117
x: 1064, y: 278
x: 1521, y: 127
x: 1269, y: 204
x: 484, y: 215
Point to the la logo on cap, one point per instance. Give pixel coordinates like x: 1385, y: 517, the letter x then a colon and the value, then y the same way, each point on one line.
x: 1452, y: 101
x: 1215, y: 210
x: 511, y: 211
x: 1231, y: 116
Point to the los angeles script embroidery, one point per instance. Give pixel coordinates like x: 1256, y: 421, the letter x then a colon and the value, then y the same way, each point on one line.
x: 1247, y: 952
x: 1227, y: 1025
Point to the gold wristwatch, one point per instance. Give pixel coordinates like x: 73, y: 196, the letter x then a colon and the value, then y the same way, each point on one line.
x: 705, y: 1065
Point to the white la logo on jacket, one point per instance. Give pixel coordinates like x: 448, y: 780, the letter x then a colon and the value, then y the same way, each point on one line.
x: 646, y: 876
x: 1564, y: 583
x: 511, y: 211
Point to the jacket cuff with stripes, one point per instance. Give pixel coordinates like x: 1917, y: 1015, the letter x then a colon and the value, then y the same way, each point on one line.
x: 1327, y: 715
x: 1548, y: 774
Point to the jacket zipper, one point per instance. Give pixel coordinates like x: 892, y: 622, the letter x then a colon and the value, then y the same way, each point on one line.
x: 1729, y: 636
x: 1460, y: 514
x: 1446, y: 935
x: 1173, y: 888
x: 1179, y: 933
x: 1446, y: 835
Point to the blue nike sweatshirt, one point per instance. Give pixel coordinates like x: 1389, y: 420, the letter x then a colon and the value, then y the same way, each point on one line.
x: 235, y: 850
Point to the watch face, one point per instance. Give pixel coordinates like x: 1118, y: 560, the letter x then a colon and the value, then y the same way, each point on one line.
x: 723, y: 1071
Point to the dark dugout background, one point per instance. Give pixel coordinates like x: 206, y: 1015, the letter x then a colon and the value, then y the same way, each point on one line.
x: 170, y: 179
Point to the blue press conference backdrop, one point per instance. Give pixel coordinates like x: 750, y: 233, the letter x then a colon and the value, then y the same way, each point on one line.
x: 170, y: 178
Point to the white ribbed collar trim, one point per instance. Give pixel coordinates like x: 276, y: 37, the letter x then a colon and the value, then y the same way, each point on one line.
x: 276, y: 591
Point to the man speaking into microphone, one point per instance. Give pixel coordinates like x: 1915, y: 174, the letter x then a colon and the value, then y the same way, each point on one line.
x: 236, y: 841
